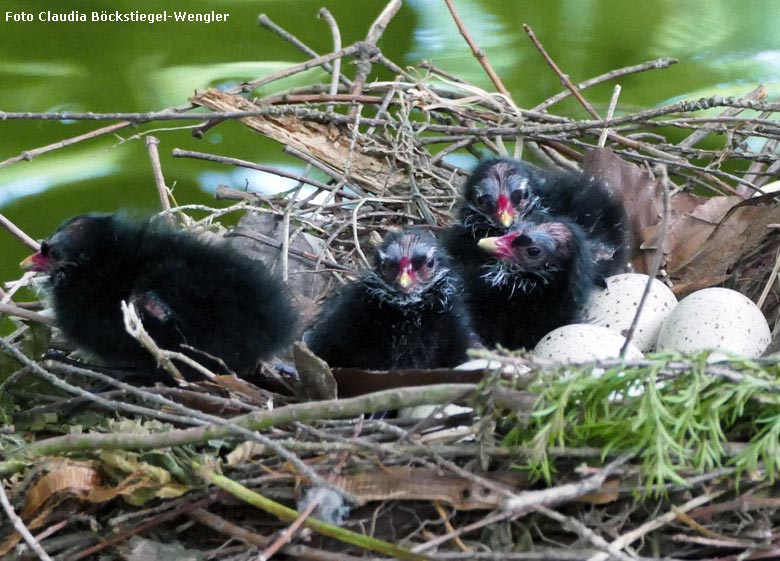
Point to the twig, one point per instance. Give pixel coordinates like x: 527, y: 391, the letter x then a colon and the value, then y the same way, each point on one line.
x: 179, y: 153
x: 285, y: 537
x: 478, y: 53
x: 18, y: 233
x: 586, y: 533
x: 610, y: 113
x: 530, y: 500
x: 266, y: 22
x: 770, y: 281
x: 284, y: 513
x: 368, y: 48
x: 564, y: 77
x: 154, y: 155
x: 336, y: 33
x: 20, y: 527
x: 638, y: 533
x: 29, y: 155
x: 135, y: 329
x: 658, y: 257
x: 14, y: 310
x: 612, y: 74
x: 304, y: 412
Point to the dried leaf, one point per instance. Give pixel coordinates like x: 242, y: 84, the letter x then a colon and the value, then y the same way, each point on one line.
x: 641, y: 196
x: 317, y: 380
x: 690, y: 226
x: 66, y: 479
x: 744, y: 228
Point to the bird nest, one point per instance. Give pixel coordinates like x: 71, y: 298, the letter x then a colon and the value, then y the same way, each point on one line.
x: 667, y: 457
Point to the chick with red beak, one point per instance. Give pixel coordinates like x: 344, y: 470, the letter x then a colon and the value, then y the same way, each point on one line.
x: 35, y: 262
x: 198, y: 297
x: 536, y: 277
x: 405, y: 312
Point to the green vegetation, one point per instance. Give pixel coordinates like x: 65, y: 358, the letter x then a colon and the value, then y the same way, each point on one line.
x: 676, y: 415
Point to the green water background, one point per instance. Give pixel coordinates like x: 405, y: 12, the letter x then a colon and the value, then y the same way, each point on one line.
x: 725, y: 47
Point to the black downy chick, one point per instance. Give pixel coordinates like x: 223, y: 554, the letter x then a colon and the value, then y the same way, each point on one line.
x: 501, y: 191
x: 537, y: 278
x: 405, y: 312
x: 187, y: 291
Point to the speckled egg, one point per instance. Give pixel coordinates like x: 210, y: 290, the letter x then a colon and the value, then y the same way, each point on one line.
x: 716, y: 318
x: 616, y: 306
x: 583, y: 343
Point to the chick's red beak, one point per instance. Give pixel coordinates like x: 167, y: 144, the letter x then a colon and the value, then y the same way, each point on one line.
x: 505, y: 212
x: 35, y: 262
x: 501, y: 246
x: 406, y: 277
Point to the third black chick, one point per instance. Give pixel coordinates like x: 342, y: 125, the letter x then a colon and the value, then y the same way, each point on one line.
x: 536, y: 278
x: 405, y: 312
x: 187, y: 291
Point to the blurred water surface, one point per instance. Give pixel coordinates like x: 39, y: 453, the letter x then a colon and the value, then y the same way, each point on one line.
x: 725, y: 47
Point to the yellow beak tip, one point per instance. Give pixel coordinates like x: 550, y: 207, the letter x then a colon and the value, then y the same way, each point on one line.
x: 405, y: 280
x: 487, y: 244
x: 505, y: 219
x: 27, y: 263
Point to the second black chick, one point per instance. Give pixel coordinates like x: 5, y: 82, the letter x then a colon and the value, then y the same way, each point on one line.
x: 536, y: 278
x: 405, y: 312
x: 188, y: 293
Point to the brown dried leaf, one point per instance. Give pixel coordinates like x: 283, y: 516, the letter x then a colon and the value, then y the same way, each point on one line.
x: 742, y: 230
x: 641, y: 195
x: 415, y: 484
x: 317, y: 380
x: 692, y: 221
x: 66, y: 479
x: 247, y: 392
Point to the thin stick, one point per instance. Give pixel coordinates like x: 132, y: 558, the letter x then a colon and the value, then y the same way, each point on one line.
x: 369, y: 48
x: 769, y: 281
x: 266, y: 22
x: 178, y: 153
x: 663, y: 177
x: 28, y: 155
x: 610, y: 113
x: 286, y: 536
x: 336, y: 32
x: 16, y: 311
x: 647, y: 527
x: 564, y: 77
x: 17, y: 232
x: 586, y: 533
x: 658, y: 63
x: 20, y: 527
x: 152, y: 142
x: 478, y: 53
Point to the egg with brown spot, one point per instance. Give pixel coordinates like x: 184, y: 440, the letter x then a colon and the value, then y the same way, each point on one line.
x: 583, y: 343
x: 616, y: 306
x: 718, y: 319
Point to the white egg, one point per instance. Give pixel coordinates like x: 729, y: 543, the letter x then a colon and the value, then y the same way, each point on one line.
x: 583, y: 343
x: 616, y: 307
x: 716, y: 318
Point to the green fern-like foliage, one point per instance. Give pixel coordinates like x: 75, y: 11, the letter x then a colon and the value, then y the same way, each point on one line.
x: 676, y: 413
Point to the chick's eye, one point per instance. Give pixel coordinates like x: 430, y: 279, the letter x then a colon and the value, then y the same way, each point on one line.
x: 533, y: 251
x: 387, y: 267
x: 431, y: 263
x: 518, y: 196
x: 49, y: 251
x: 485, y: 201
